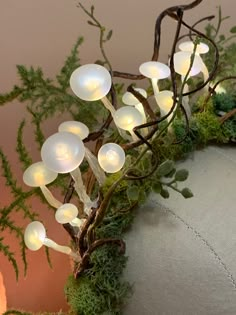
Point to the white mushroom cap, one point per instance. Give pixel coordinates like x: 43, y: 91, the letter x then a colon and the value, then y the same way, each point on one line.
x: 63, y: 152
x: 129, y: 99
x: 165, y: 99
x: 90, y: 82
x: 66, y: 213
x: 38, y: 174
x: 111, y: 157
x: 34, y: 235
x: 75, y: 127
x: 154, y: 70
x: 202, y: 48
x: 127, y: 118
x: 182, y: 63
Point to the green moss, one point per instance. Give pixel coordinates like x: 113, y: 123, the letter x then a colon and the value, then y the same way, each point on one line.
x: 82, y: 297
x: 224, y: 102
x: 206, y: 128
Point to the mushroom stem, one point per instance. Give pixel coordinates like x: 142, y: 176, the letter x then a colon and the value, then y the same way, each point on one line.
x: 155, y: 86
x: 133, y: 135
x: 185, y: 99
x: 81, y: 191
x: 59, y: 248
x: 205, y: 73
x: 112, y: 110
x: 50, y: 198
x: 77, y: 222
x: 140, y: 108
x: 97, y: 170
x: 108, y: 105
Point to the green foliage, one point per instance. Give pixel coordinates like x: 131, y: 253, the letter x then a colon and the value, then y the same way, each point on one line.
x: 101, y: 288
x: 10, y: 256
x: 23, y: 154
x: 227, y: 51
x: 186, y: 193
x: 72, y: 62
x: 83, y: 297
x: 224, y: 102
x: 181, y: 175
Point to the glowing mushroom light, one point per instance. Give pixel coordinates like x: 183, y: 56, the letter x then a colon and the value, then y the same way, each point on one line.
x: 63, y: 152
x: 201, y: 49
x: 182, y: 62
x: 92, y: 82
x: 127, y: 118
x: 39, y: 175
x: 68, y: 213
x: 35, y: 238
x: 82, y: 131
x: 129, y: 99
x: 155, y: 71
x: 165, y: 102
x: 111, y: 157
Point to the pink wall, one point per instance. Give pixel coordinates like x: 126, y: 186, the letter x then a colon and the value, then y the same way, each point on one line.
x: 42, y: 33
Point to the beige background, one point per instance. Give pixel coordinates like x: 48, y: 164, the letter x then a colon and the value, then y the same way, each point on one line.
x: 42, y: 33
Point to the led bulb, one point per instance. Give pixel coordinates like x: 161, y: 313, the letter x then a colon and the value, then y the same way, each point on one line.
x: 111, y: 157
x: 63, y: 152
x: 75, y: 127
x: 90, y: 82
x: 127, y: 118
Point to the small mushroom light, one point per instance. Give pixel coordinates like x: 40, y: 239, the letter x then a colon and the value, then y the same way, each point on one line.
x: 111, y: 157
x: 182, y: 62
x: 92, y: 82
x: 67, y: 213
x: 75, y: 127
x: 201, y: 48
x: 63, y: 152
x: 82, y: 131
x: 165, y: 102
x: 35, y: 238
x: 129, y: 99
x: 155, y: 71
x: 127, y: 118
x: 39, y: 175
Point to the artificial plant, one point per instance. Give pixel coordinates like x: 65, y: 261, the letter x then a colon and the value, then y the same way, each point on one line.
x: 96, y: 287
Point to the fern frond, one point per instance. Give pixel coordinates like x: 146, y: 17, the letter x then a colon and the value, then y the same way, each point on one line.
x: 72, y: 62
x: 9, y: 255
x: 23, y: 154
x: 7, y: 173
x: 8, y: 97
x: 5, y: 211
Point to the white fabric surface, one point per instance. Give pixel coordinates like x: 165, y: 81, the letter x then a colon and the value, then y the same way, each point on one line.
x: 183, y: 252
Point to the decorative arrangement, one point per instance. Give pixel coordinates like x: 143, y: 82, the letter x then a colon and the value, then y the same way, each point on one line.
x: 134, y: 138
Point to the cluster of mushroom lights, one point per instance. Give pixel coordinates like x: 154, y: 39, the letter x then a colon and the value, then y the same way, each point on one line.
x: 64, y: 151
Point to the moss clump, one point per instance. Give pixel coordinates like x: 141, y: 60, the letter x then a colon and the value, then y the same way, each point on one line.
x: 206, y: 127
x: 82, y: 297
x: 224, y: 102
x: 100, y: 289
